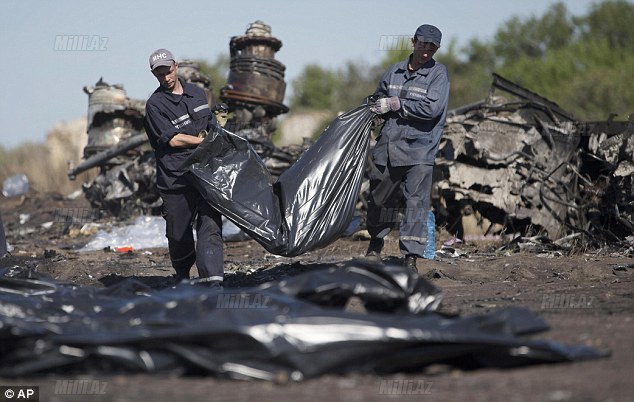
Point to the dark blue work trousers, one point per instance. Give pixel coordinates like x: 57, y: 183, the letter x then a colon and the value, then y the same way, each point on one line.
x: 401, y: 194
x: 180, y: 210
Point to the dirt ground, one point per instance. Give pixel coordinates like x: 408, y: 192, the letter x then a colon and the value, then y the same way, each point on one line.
x: 478, y: 278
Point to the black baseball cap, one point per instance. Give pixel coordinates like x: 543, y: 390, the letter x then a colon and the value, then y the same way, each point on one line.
x: 428, y: 33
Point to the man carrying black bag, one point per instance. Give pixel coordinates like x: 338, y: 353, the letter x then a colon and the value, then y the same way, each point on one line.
x: 177, y: 117
x: 413, y: 100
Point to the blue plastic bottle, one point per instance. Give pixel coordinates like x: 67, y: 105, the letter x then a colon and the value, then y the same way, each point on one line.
x: 430, y: 249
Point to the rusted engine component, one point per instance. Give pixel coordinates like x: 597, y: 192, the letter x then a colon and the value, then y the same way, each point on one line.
x: 255, y: 86
x: 118, y: 146
x: 256, y: 79
x: 514, y: 164
x: 112, y: 116
x: 254, y: 93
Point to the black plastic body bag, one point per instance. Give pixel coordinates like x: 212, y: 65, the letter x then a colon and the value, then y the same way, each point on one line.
x: 310, y: 204
x: 298, y: 327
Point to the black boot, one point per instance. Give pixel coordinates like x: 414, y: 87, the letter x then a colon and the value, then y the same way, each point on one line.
x: 181, y: 275
x: 410, y: 263
x: 374, y: 250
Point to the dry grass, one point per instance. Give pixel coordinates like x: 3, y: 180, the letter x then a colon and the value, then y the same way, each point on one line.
x: 46, y: 164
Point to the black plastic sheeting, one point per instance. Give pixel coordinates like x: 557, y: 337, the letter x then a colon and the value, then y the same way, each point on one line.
x: 293, y: 329
x: 311, y: 203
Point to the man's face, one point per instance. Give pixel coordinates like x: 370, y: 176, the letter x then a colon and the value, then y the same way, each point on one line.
x: 166, y: 76
x: 423, y: 51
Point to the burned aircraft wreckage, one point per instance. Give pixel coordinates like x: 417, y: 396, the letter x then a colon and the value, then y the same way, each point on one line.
x: 519, y: 164
x: 511, y: 165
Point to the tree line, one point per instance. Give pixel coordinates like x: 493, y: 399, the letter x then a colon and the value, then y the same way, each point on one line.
x: 583, y: 63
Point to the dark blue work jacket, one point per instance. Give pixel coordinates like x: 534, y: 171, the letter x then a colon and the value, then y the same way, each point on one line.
x: 166, y: 115
x: 411, y: 135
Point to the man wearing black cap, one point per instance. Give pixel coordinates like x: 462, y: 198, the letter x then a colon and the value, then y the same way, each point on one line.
x: 413, y: 96
x: 175, y: 114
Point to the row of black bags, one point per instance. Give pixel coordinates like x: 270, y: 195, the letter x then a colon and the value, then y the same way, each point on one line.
x: 296, y: 328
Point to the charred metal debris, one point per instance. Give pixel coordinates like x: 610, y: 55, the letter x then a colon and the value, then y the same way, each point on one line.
x: 118, y: 146
x: 519, y: 165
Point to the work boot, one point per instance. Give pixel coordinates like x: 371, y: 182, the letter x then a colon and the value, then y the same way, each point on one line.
x: 181, y: 276
x: 410, y: 263
x: 374, y: 250
x: 208, y: 282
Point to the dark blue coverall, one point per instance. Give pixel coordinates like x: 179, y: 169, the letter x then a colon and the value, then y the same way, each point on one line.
x: 166, y: 115
x: 405, y: 152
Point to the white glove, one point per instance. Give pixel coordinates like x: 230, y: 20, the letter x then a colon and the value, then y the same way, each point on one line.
x: 385, y: 105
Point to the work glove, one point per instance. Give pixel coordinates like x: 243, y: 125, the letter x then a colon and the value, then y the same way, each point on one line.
x: 384, y: 105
